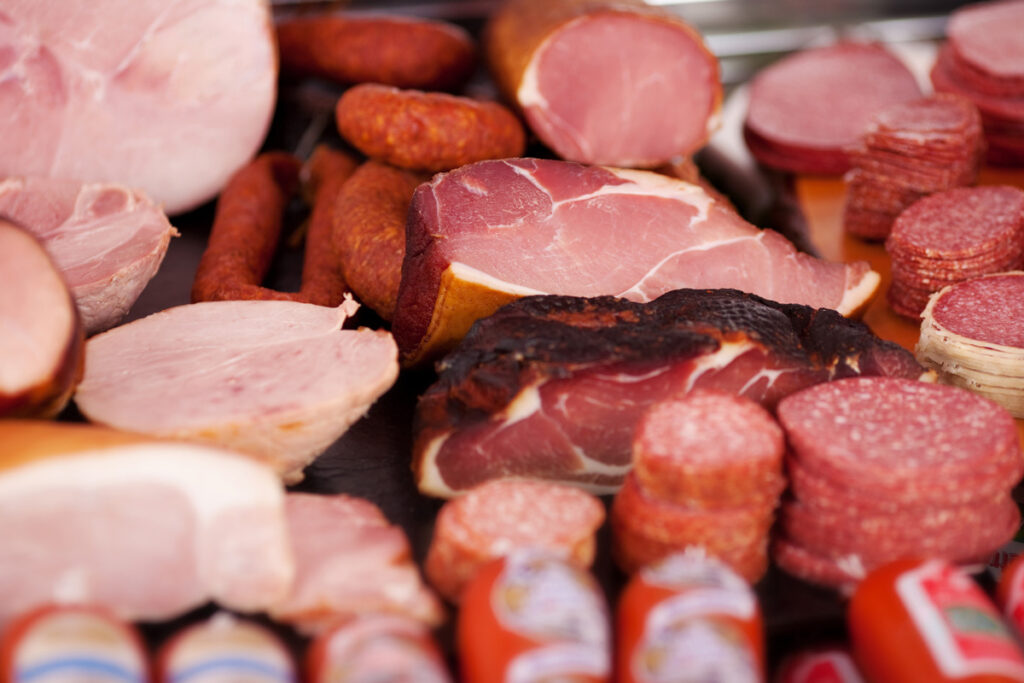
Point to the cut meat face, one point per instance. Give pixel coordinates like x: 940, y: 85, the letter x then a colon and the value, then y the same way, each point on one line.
x: 107, y: 240
x: 150, y: 529
x: 552, y: 387
x: 488, y: 233
x: 119, y: 93
x: 277, y: 379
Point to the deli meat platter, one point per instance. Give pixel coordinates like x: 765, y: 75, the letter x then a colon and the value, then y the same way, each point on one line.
x: 742, y: 175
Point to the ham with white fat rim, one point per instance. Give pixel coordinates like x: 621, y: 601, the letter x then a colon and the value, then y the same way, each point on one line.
x: 171, y: 96
x: 149, y: 529
x: 491, y: 232
x: 280, y: 380
x: 107, y: 240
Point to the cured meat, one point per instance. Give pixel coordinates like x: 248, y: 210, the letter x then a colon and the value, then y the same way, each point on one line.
x: 832, y: 663
x: 426, y: 131
x: 350, y: 560
x: 952, y: 236
x: 503, y: 515
x: 42, y: 346
x: 117, y: 93
x: 488, y: 233
x: 552, y: 387
x: 149, y: 528
x: 277, y: 379
x: 807, y: 108
x: 107, y: 240
x: 600, y: 82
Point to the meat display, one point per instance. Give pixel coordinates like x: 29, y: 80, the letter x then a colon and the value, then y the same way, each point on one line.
x: 42, y: 345
x: 488, y: 233
x: 618, y: 83
x: 277, y: 379
x: 128, y: 101
x: 107, y: 240
x: 552, y: 387
x: 150, y: 529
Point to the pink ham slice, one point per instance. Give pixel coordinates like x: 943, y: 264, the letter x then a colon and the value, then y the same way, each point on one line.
x: 277, y: 379
x: 350, y: 561
x: 169, y: 95
x: 149, y: 529
x: 107, y: 240
x: 490, y: 232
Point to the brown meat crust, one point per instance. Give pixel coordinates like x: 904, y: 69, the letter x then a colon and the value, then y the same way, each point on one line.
x: 369, y: 232
x: 407, y: 53
x: 426, y: 131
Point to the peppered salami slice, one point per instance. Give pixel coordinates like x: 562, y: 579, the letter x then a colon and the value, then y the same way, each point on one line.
x: 807, y: 108
x: 502, y: 515
x: 709, y: 449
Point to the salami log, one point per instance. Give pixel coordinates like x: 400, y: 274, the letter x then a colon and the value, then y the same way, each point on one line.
x: 617, y: 83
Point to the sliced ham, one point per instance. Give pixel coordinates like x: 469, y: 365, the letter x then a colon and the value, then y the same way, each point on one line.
x: 488, y: 233
x: 277, y: 379
x: 552, y: 387
x: 169, y: 95
x: 150, y: 529
x: 107, y: 239
x: 41, y: 341
x: 350, y: 561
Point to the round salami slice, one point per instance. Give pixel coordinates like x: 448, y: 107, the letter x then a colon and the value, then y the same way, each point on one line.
x: 709, y: 449
x: 503, y: 515
x: 812, y: 105
x: 842, y: 574
x: 988, y: 41
x: 901, y: 438
x: 988, y: 309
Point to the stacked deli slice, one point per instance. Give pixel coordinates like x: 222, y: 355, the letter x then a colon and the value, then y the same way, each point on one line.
x: 983, y: 60
x: 972, y: 334
x: 882, y: 468
x: 910, y: 150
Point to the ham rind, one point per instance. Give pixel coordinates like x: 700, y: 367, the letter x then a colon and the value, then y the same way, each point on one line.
x: 488, y: 233
x: 350, y: 561
x: 277, y: 379
x: 552, y: 387
x: 107, y: 240
x: 118, y: 92
x: 601, y: 82
x: 149, y: 529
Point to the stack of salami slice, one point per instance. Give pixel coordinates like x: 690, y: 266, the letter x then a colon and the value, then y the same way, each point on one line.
x: 983, y: 60
x: 883, y: 468
x: 972, y: 333
x: 707, y: 472
x: 952, y: 236
x: 909, y: 151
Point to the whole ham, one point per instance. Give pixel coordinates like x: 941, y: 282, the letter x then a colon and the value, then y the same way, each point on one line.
x: 168, y: 95
x: 491, y: 232
x: 149, y: 529
x: 552, y: 387
x: 280, y: 380
x: 107, y: 240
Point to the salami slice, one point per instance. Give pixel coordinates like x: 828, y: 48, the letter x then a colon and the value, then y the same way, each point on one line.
x: 807, y: 109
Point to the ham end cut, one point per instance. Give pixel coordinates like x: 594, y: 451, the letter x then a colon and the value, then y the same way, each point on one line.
x: 151, y: 529
x: 614, y: 83
x: 552, y: 387
x: 277, y: 379
x: 350, y: 560
x: 107, y: 240
x: 41, y: 341
x: 488, y: 233
x: 119, y: 92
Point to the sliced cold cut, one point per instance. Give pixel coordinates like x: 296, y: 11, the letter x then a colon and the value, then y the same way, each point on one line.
x: 488, y: 233
x: 552, y: 387
x: 149, y: 528
x: 278, y: 379
x: 117, y: 92
x: 42, y: 345
x: 108, y: 240
x: 599, y: 82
